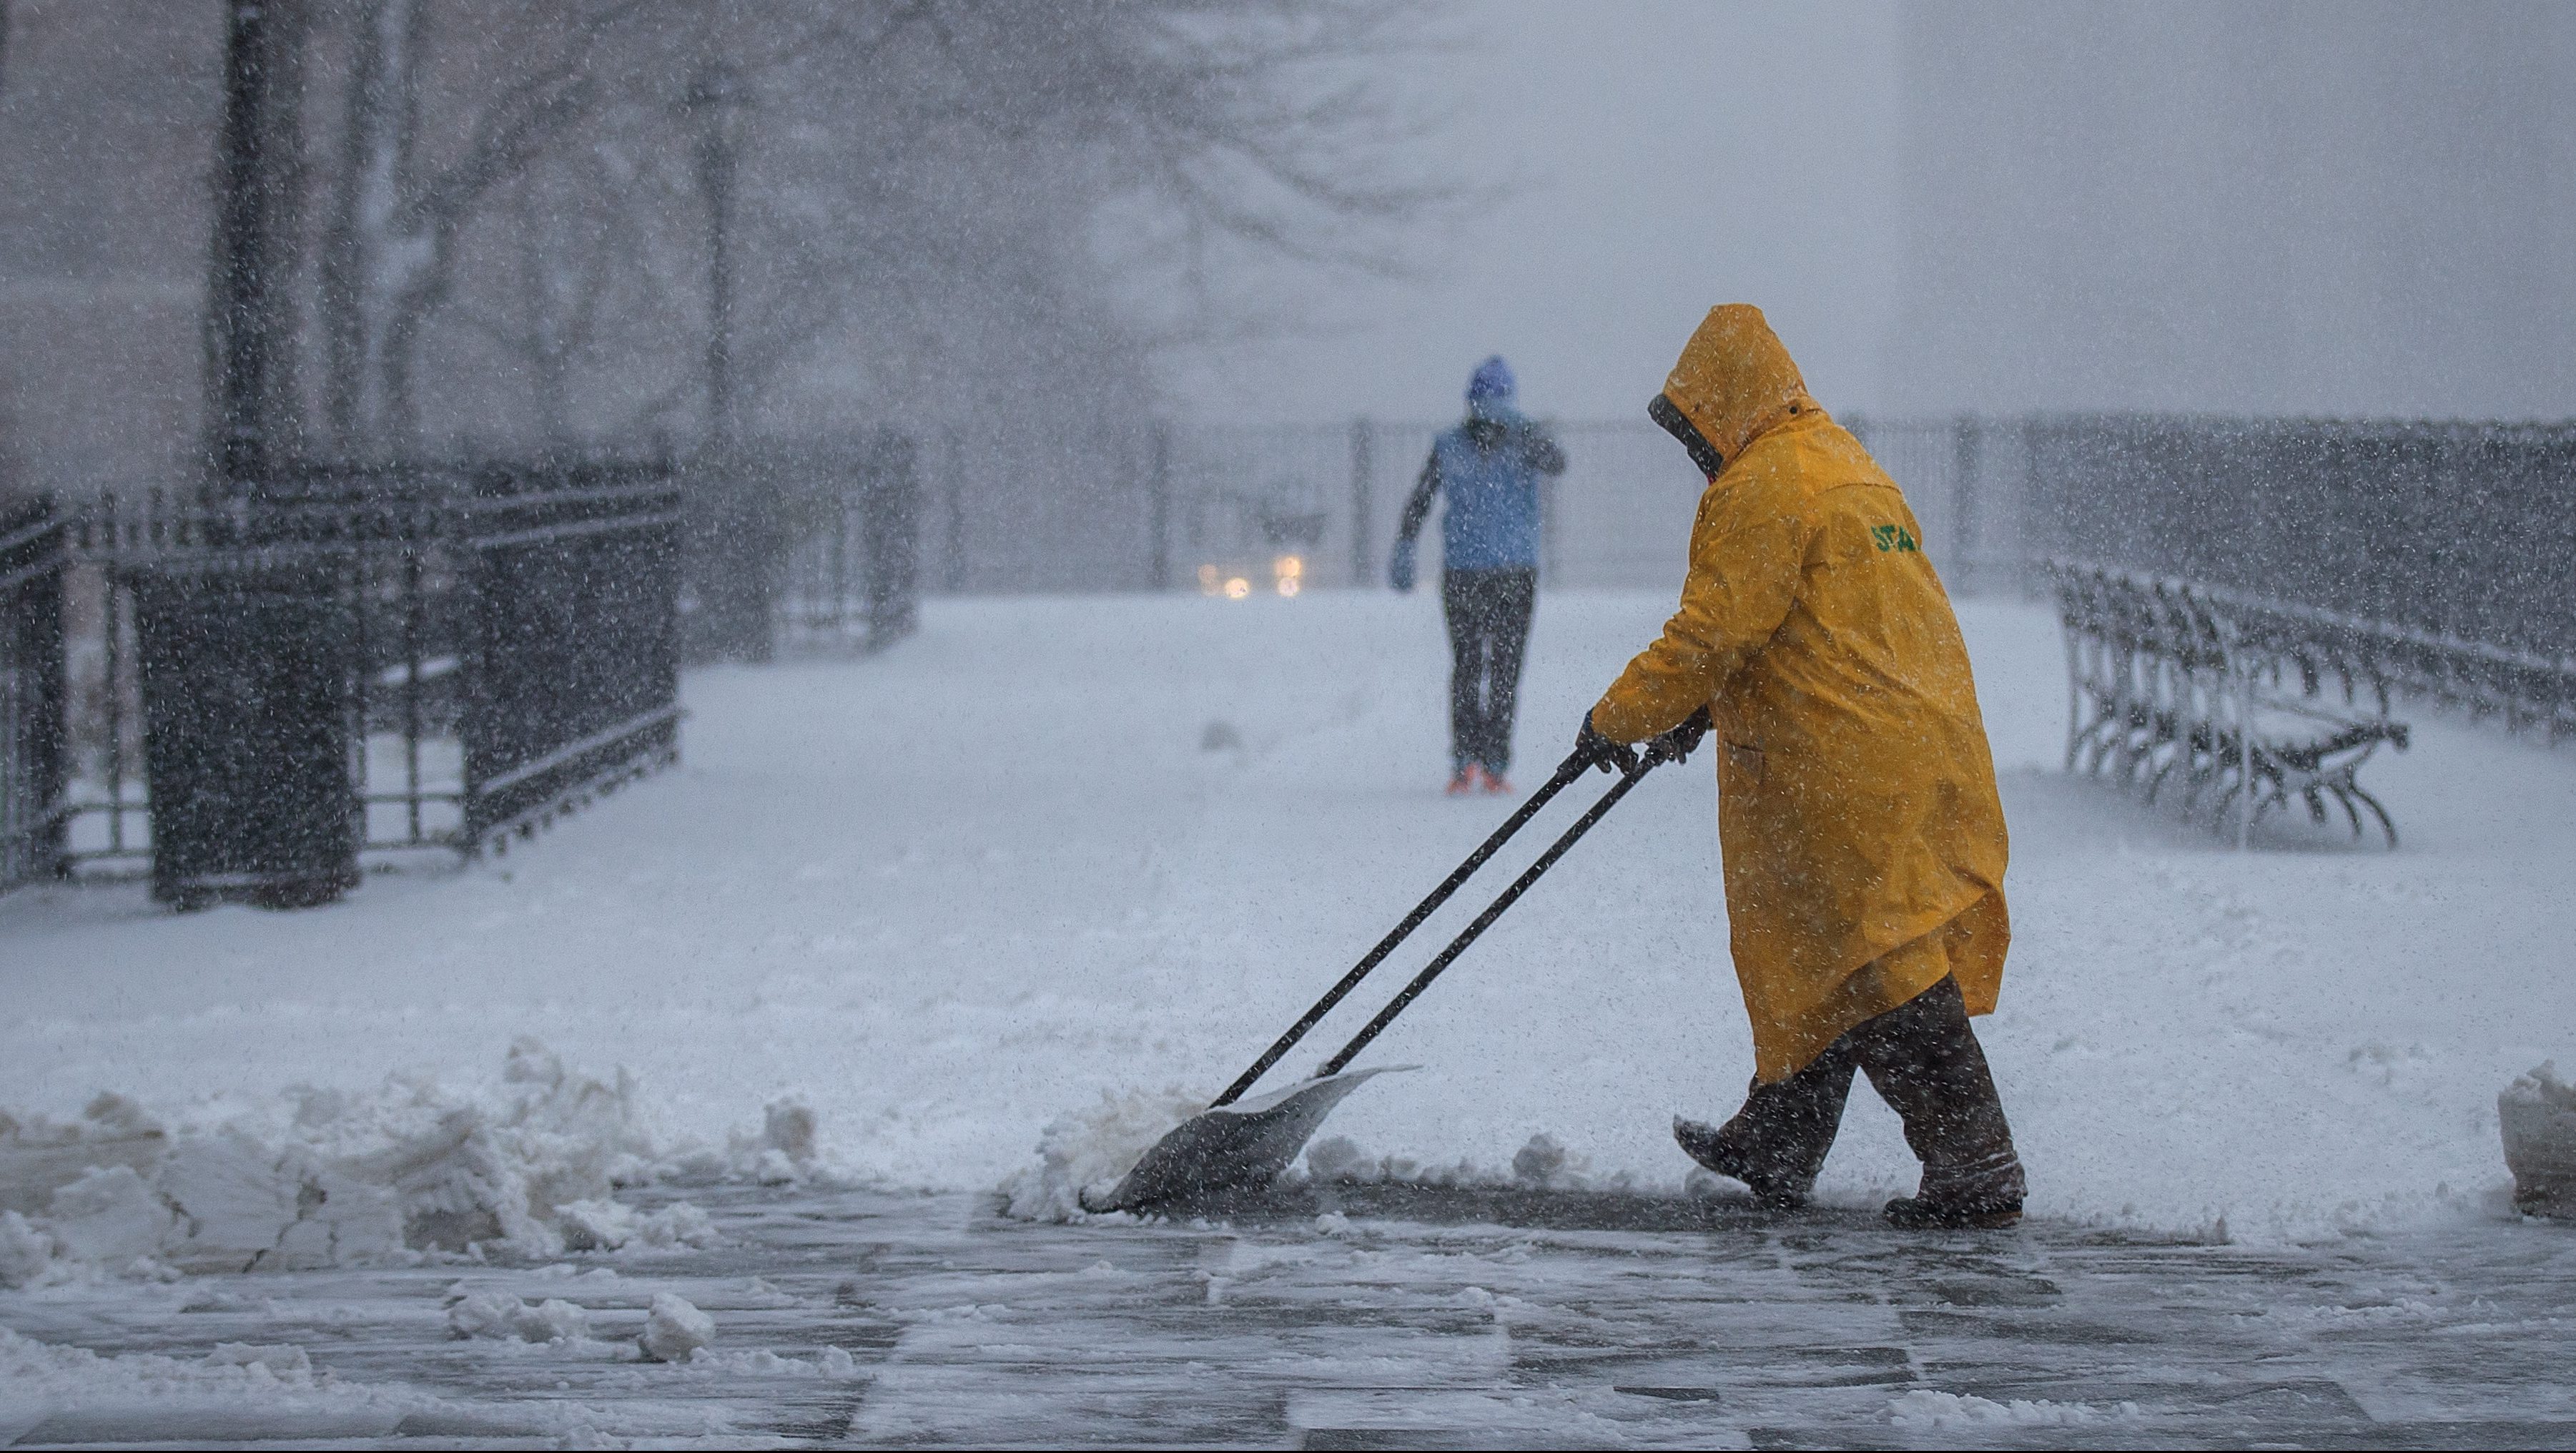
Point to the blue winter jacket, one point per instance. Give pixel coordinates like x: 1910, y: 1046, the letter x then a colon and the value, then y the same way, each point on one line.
x: 1489, y: 467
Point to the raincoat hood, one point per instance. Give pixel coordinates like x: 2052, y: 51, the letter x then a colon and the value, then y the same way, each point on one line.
x: 1734, y: 381
x: 1491, y: 390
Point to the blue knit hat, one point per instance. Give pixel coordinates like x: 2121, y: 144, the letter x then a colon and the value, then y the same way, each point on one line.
x: 1491, y: 383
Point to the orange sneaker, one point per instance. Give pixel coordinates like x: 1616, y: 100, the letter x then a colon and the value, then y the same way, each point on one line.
x: 1496, y: 784
x: 1463, y: 781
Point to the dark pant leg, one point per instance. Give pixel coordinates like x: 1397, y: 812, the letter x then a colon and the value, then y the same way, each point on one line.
x: 1924, y: 1060
x: 1515, y: 595
x: 1463, y: 604
x: 1781, y: 1135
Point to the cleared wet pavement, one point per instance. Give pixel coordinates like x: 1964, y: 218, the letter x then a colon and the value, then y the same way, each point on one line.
x: 1381, y: 1318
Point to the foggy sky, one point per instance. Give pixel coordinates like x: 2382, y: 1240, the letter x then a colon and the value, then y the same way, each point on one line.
x: 2332, y: 207
x: 1670, y: 156
x: 2346, y: 208
x: 2322, y: 208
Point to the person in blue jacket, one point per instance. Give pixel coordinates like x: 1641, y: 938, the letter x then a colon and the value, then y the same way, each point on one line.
x: 1489, y: 467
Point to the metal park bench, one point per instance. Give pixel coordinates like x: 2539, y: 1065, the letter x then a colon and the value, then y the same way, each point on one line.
x: 2177, y: 689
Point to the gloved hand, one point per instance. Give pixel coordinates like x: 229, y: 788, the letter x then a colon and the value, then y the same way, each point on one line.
x: 1677, y: 745
x: 1400, y: 573
x: 1595, y: 750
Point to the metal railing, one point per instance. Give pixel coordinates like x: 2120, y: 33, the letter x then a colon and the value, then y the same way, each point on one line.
x: 852, y: 575
x: 2435, y: 557
x: 2462, y: 531
x: 463, y: 652
x: 1202, y: 506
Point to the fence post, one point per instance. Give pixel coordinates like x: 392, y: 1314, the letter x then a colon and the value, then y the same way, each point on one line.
x: 1158, y: 559
x: 1363, y: 556
x: 34, y: 729
x: 952, y: 574
x: 890, y: 528
x: 2025, y: 505
x: 2244, y: 671
x: 1967, y: 458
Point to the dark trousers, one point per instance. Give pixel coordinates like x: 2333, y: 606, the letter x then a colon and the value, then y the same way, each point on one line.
x: 1924, y: 1060
x: 1489, y: 621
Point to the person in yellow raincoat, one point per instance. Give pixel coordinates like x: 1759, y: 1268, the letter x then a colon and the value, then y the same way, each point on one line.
x: 1862, y: 836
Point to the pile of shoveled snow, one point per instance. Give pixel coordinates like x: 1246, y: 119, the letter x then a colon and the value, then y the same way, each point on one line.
x: 1089, y: 1150
x: 413, y: 1168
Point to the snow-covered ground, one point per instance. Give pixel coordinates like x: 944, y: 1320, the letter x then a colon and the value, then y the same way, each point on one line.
x: 948, y: 895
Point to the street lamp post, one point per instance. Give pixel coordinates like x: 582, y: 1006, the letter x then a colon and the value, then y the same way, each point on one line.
x: 715, y: 98
x: 244, y: 314
x: 732, y: 527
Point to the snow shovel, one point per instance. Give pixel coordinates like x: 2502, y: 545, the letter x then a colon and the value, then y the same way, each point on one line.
x: 1237, y: 1144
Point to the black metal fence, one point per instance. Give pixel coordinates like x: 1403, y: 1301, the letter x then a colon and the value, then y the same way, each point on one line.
x: 2463, y: 531
x: 34, y: 755
x: 571, y: 649
x: 812, y: 545
x: 2442, y: 553
x: 1250, y: 508
x: 365, y: 662
x: 852, y: 574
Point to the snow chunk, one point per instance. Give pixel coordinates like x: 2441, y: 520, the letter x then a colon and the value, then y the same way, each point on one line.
x: 287, y: 1363
x: 501, y: 1317
x: 235, y: 1377
x: 1543, y: 1163
x: 109, y: 1216
x: 25, y: 1252
x: 785, y: 1151
x: 1340, y: 1160
x: 241, y: 1204
x: 2538, y: 1116
x: 674, y: 1330
x: 606, y: 1225
x: 1925, y: 1410
x: 789, y: 1126
x: 1091, y: 1150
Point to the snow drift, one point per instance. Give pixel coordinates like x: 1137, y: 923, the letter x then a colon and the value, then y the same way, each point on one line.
x: 415, y: 1168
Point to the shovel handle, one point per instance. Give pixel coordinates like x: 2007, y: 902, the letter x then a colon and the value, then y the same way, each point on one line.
x: 1546, y: 860
x: 1566, y: 773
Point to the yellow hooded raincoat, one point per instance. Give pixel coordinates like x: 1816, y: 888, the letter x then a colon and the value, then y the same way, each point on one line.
x: 1863, y: 840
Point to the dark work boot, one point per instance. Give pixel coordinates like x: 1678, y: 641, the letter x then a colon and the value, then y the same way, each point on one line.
x: 1927, y: 1213
x: 1776, y: 1144
x: 1924, y: 1060
x: 1708, y: 1144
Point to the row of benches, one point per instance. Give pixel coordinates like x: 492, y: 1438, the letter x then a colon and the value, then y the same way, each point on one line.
x: 2226, y: 701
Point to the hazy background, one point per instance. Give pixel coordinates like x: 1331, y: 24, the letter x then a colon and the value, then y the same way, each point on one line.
x: 1661, y: 157
x: 2326, y: 208
x: 2318, y: 208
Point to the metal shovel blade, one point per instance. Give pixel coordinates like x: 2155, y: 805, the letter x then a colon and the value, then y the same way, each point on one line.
x: 1242, y: 1146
